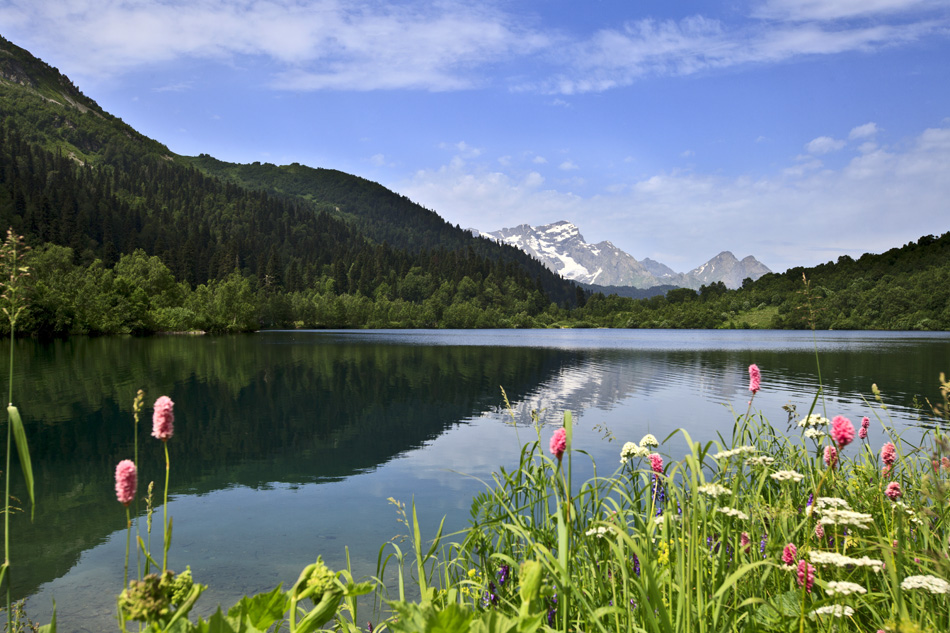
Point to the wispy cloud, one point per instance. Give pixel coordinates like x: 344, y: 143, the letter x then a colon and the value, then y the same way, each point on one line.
x: 441, y: 46
x: 684, y: 218
x: 324, y: 44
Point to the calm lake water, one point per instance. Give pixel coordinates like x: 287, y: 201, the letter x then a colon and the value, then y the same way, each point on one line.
x: 288, y: 444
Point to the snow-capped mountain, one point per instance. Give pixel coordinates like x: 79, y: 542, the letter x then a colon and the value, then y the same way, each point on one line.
x: 561, y: 247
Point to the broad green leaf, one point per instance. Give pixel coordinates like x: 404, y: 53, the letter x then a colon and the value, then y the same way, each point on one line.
x: 19, y: 434
x: 51, y: 627
x: 262, y: 610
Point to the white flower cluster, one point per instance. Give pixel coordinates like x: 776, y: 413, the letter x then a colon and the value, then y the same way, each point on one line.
x: 658, y: 520
x: 787, y: 475
x: 735, y: 451
x: 714, y: 490
x: 929, y: 583
x: 844, y: 588
x: 599, y: 531
x: 837, y: 610
x: 648, y: 441
x: 831, y: 502
x: 840, y: 560
x: 739, y: 514
x: 907, y: 509
x: 760, y: 460
x: 813, y: 420
x: 631, y: 450
x: 834, y: 516
x: 814, y: 434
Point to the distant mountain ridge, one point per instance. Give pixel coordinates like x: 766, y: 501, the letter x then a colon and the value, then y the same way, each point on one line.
x: 561, y: 247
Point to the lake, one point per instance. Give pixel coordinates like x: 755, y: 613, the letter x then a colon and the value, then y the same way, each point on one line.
x: 288, y: 444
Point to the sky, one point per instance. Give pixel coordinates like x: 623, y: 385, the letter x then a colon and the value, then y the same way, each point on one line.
x: 795, y: 131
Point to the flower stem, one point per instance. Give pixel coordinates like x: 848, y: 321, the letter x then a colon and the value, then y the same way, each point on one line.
x: 165, y: 511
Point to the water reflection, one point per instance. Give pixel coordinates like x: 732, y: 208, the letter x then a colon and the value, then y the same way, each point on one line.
x: 288, y: 444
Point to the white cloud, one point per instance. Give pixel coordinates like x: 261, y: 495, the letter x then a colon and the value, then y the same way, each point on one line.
x: 867, y: 130
x: 539, y: 160
x: 877, y: 200
x: 377, y: 159
x: 323, y: 44
x: 837, y: 9
x: 568, y: 166
x: 824, y: 145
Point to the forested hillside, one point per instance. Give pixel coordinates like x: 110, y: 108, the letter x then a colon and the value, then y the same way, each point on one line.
x: 73, y: 177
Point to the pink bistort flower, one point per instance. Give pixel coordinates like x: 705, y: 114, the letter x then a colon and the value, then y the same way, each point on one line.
x: 893, y: 491
x: 819, y: 530
x: 831, y: 456
x: 888, y: 454
x: 788, y: 554
x: 163, y: 419
x: 842, y: 431
x: 744, y: 541
x: 806, y: 575
x: 863, y: 433
x: 126, y: 479
x: 559, y: 443
x: 656, y: 463
x: 755, y: 378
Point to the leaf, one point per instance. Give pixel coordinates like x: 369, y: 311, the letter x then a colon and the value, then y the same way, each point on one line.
x: 19, y: 434
x: 217, y: 623
x: 51, y: 627
x: 262, y: 610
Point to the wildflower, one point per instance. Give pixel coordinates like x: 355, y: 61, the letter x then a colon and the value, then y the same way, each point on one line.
x: 806, y: 575
x: 656, y: 463
x: 863, y: 432
x: 831, y: 502
x: 831, y: 456
x: 559, y: 443
x: 744, y: 541
x: 760, y: 460
x: 755, y: 378
x: 888, y: 454
x: 636, y: 565
x: 787, y: 475
x: 945, y: 463
x: 893, y: 491
x: 714, y: 490
x: 844, y: 588
x: 599, y: 531
x: 886, y: 471
x: 631, y: 450
x: 648, y: 440
x: 865, y: 423
x: 813, y: 420
x: 835, y: 516
x: 126, y: 478
x: 837, y: 610
x: 788, y: 554
x: 735, y: 451
x: 819, y: 530
x: 739, y: 514
x: 929, y: 583
x: 814, y: 434
x: 840, y: 560
x: 842, y: 431
x: 503, y: 574
x: 163, y: 419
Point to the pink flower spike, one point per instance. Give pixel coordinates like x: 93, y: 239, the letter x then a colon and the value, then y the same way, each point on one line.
x: 865, y: 422
x: 863, y: 433
x: 842, y: 431
x: 656, y: 463
x: 788, y: 554
x: 893, y: 491
x: 755, y: 379
x: 126, y: 479
x: 744, y: 541
x: 831, y: 456
x: 888, y: 454
x: 806, y: 575
x: 163, y: 419
x: 819, y: 530
x: 559, y: 443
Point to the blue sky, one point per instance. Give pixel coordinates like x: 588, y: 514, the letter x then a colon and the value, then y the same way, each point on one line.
x: 792, y: 130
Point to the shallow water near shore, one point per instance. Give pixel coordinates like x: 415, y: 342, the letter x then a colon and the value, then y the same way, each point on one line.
x: 288, y: 444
